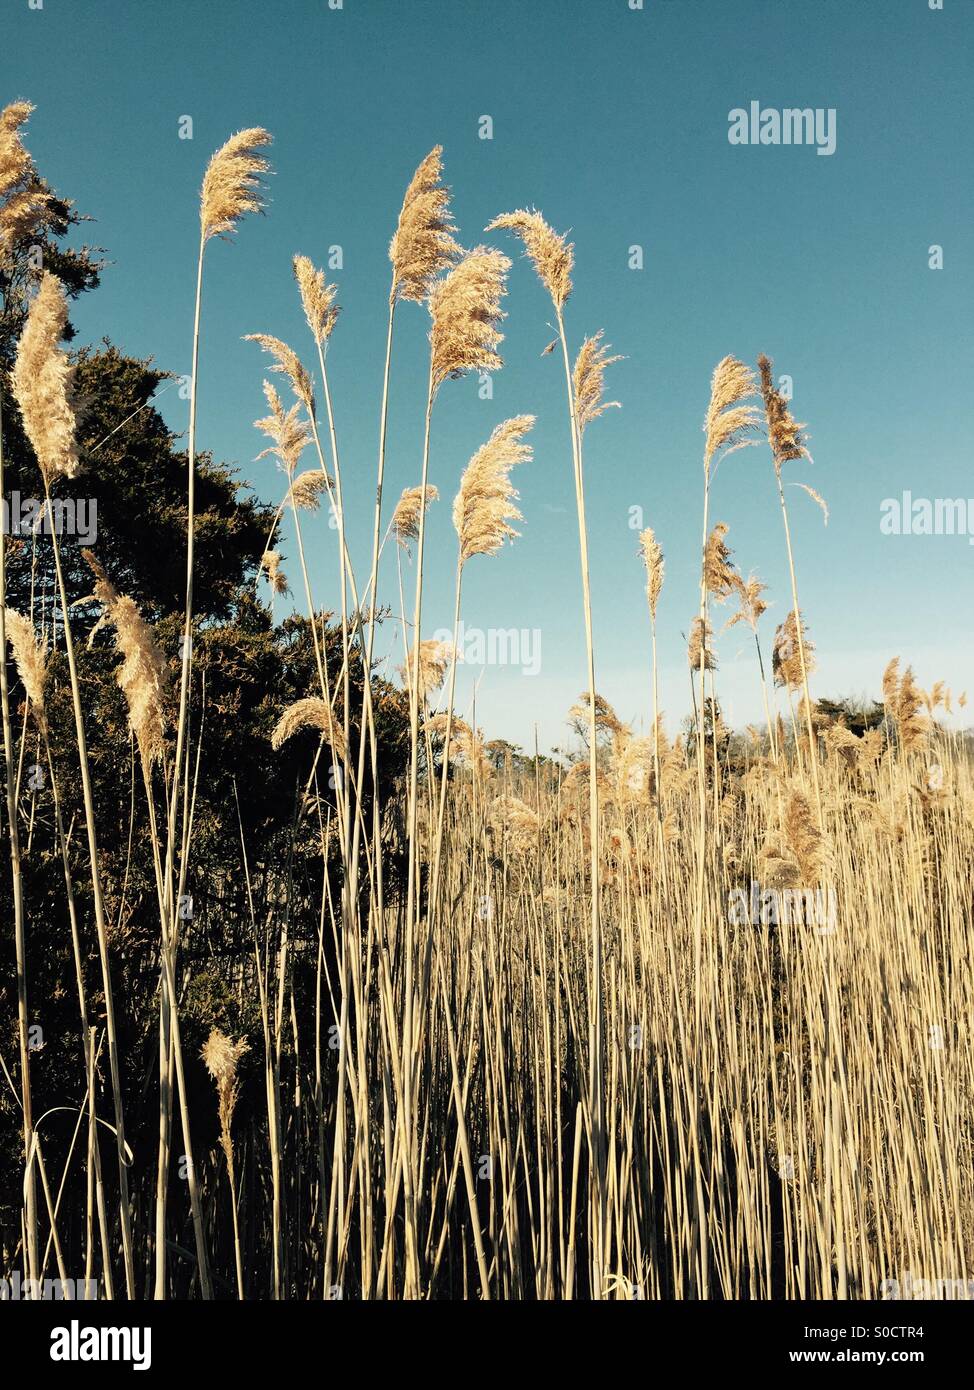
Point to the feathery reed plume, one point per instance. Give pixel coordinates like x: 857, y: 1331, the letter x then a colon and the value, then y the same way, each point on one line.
x: 517, y: 822
x: 791, y: 637
x: 30, y: 656
x: 799, y: 856
x: 466, y: 744
x: 902, y: 700
x: 699, y: 651
x: 551, y: 253
x: 632, y: 763
x: 305, y: 491
x: 423, y: 245
x: 655, y: 568
x: 42, y: 380
x: 317, y: 299
x: 785, y: 435
x: 310, y: 713
x: 232, y: 183
x: 719, y: 574
x: 817, y: 498
x: 805, y: 840
x: 405, y: 518
x: 270, y: 563
x: 142, y: 674
x: 751, y: 605
x: 588, y: 379
x: 606, y: 719
x: 221, y: 1058
x: 434, y: 660
x: 484, y: 506
x: 15, y: 162
x: 936, y: 696
x: 729, y: 421
x: 465, y: 307
x: 843, y: 743
x: 290, y: 434
x: 286, y: 360
x: 22, y: 201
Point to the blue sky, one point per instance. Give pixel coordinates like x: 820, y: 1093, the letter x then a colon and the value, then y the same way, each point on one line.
x: 614, y: 123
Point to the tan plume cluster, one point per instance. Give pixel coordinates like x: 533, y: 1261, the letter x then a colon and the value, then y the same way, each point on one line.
x: 785, y: 435
x: 317, y: 299
x: 466, y: 744
x: 751, y: 604
x: 221, y: 1057
x: 484, y: 507
x: 30, y: 656
x: 434, y: 662
x: 699, y: 647
x: 270, y: 563
x: 817, y: 498
x: 232, y: 183
x: 310, y: 713
x: 903, y: 700
x: 937, y: 695
x: 22, y: 200
x: 843, y: 743
x: 719, y: 574
x: 286, y: 360
x: 800, y: 857
x: 42, y: 381
x: 142, y: 674
x: 517, y: 822
x: 465, y: 307
x: 790, y: 640
x: 606, y: 719
x: 423, y: 244
x: 633, y: 767
x: 305, y: 491
x: 289, y: 433
x: 729, y: 421
x: 655, y: 567
x: 409, y: 509
x: 588, y: 381
x: 871, y: 747
x: 551, y: 253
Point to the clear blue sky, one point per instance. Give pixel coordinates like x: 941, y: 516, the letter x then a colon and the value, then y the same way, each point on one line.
x: 614, y: 123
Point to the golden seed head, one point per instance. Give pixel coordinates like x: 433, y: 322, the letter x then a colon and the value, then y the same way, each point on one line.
x: 785, y: 435
x: 42, y: 381
x: 551, y: 253
x: 143, y: 673
x: 588, y: 381
x: 232, y: 183
x: 310, y: 713
x: 465, y: 308
x: 287, y: 362
x: 423, y: 245
x: 729, y: 423
x: 317, y: 299
x: 409, y: 508
x: 484, y: 507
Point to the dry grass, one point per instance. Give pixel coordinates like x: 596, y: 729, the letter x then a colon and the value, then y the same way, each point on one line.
x: 660, y: 1022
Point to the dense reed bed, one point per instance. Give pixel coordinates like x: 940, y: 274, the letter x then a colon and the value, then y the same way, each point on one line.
x: 672, y: 1017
